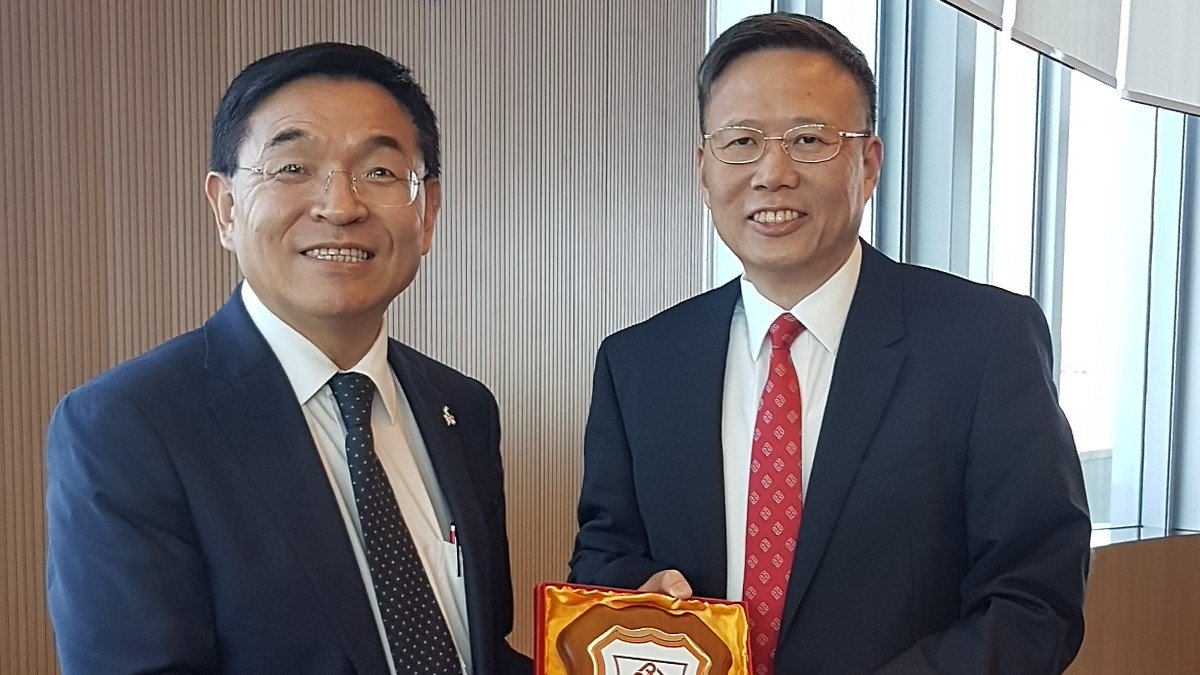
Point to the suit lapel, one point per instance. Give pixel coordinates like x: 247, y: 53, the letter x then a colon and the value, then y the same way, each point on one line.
x: 443, y: 442
x: 691, y: 423
x: 270, y: 436
x: 430, y: 408
x: 863, y: 377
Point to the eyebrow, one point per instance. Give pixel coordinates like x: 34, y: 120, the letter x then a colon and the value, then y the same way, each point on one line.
x: 755, y: 124
x: 285, y: 136
x: 384, y: 141
x: 293, y: 134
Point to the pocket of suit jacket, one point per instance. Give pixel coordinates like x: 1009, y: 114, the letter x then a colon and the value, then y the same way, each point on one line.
x: 453, y: 566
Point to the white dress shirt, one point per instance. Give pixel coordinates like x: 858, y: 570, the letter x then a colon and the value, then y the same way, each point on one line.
x: 401, y: 451
x: 823, y: 313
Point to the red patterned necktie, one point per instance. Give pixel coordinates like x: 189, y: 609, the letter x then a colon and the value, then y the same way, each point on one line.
x: 775, y: 501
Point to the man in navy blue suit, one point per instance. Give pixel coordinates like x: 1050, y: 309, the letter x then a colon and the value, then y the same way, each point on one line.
x: 285, y: 489
x: 869, y: 454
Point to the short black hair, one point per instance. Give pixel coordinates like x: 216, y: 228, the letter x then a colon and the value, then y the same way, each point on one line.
x: 783, y: 30
x: 324, y: 59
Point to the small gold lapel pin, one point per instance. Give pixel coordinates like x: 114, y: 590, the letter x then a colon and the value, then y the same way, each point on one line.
x: 450, y: 421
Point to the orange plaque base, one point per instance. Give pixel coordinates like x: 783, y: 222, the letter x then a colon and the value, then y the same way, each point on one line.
x: 586, y: 630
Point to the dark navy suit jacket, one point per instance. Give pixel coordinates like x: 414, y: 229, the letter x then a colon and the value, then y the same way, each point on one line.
x: 192, y: 527
x: 945, y: 527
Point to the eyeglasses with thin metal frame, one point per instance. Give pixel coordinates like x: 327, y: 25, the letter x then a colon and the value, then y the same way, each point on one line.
x: 807, y: 143
x: 375, y: 187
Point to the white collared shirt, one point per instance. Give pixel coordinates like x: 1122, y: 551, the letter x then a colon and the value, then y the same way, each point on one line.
x: 823, y: 313
x: 401, y: 451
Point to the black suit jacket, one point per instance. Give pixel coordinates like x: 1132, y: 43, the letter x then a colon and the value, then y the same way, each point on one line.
x: 945, y: 527
x: 192, y: 527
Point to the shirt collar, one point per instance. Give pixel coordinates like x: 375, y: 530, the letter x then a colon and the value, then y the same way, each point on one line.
x: 823, y: 312
x: 307, y: 367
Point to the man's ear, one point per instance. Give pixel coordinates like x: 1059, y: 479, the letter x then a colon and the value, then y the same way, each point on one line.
x: 433, y: 205
x: 700, y: 159
x: 872, y: 165
x: 219, y: 191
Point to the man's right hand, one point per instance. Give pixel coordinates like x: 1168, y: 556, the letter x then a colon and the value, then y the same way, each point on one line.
x: 668, y: 582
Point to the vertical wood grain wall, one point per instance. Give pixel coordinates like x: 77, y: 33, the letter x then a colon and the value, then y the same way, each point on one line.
x: 1141, y: 610
x: 571, y: 212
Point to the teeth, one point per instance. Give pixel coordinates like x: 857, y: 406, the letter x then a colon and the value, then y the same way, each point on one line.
x: 775, y: 216
x: 347, y: 255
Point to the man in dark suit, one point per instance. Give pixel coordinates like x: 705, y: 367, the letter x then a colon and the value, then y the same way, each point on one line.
x: 869, y: 454
x: 285, y: 489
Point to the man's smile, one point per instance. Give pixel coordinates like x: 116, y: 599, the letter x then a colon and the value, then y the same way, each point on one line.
x: 348, y: 255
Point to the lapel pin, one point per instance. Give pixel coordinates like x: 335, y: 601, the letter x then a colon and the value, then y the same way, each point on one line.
x: 450, y: 421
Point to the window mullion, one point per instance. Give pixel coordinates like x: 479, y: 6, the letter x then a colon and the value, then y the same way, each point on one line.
x: 1050, y: 194
x: 893, y: 72
x: 1161, y: 323
x: 1184, y: 487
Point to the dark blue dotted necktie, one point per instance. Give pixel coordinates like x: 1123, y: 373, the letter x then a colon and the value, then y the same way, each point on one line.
x: 416, y: 631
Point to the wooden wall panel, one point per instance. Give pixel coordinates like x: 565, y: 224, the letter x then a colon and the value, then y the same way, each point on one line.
x: 571, y: 212
x: 1142, y: 611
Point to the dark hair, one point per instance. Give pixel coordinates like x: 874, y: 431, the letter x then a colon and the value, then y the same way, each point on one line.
x: 328, y: 59
x: 782, y: 30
